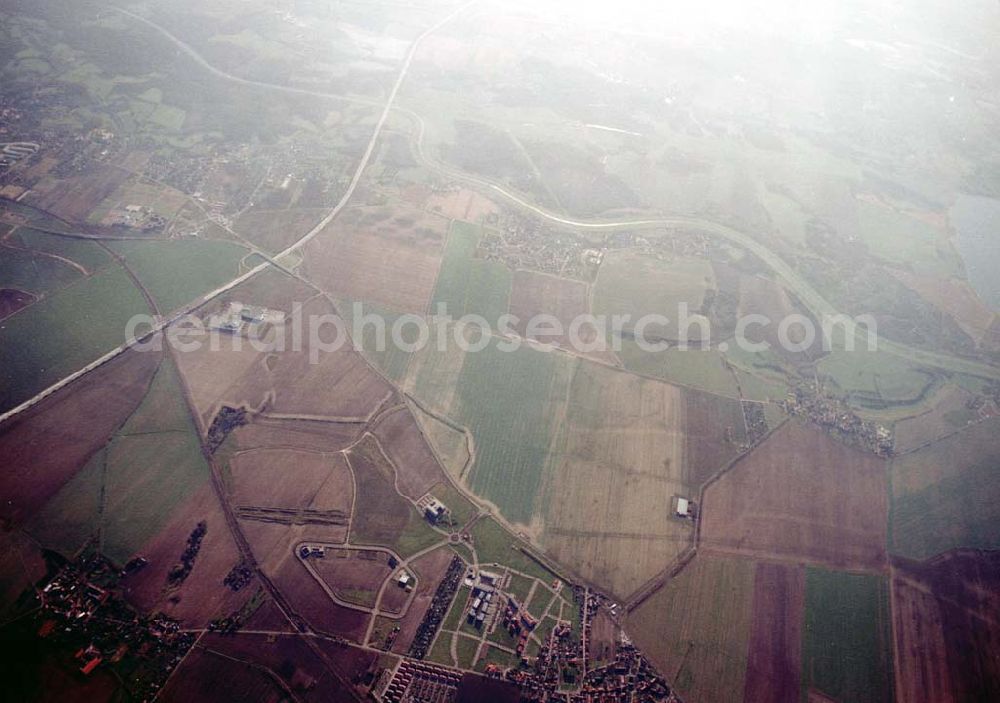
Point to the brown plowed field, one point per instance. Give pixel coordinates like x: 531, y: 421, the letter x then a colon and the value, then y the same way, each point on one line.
x: 291, y: 478
x: 775, y: 651
x: 273, y: 546
x: 12, y: 300
x: 713, y: 429
x: 801, y: 495
x: 947, y: 628
x: 430, y: 569
x: 207, y: 677
x: 73, y: 198
x: 313, y: 679
x: 534, y: 293
x: 416, y: 467
x: 276, y: 230
x: 42, y: 448
x: 354, y: 575
x: 382, y: 256
x: 265, y: 432
x: 202, y: 596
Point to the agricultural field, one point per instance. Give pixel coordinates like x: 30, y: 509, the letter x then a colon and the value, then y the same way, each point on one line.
x: 632, y: 283
x: 949, y: 412
x: 945, y: 495
x: 697, y: 368
x: 876, y: 380
x: 846, y: 643
x: 381, y: 515
x: 707, y: 610
x: 404, y: 444
x: 617, y: 463
x: 800, y: 495
x: 64, y: 332
x: 354, y: 575
x: 177, y: 272
x: 388, y: 257
x: 946, y: 637
x: 290, y: 478
x: 775, y: 651
x: 468, y: 285
x: 275, y: 230
x: 84, y: 415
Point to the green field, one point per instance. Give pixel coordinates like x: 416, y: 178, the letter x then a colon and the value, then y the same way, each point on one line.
x: 154, y: 464
x: 706, y: 612
x: 34, y: 274
x: 467, y: 285
x: 72, y: 516
x: 390, y: 360
x: 846, y: 645
x: 876, y: 379
x: 88, y: 254
x: 441, y: 651
x: 492, y: 655
x: 906, y: 241
x: 633, y: 284
x: 696, y: 368
x: 946, y: 495
x: 511, y: 394
x: 177, y: 272
x: 466, y: 648
x: 64, y: 332
x: 519, y: 588
x: 494, y: 545
x: 454, y: 617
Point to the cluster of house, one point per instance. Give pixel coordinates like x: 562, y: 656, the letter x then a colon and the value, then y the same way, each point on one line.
x: 244, y: 320
x: 519, y: 623
x: 484, y: 597
x: 433, y: 509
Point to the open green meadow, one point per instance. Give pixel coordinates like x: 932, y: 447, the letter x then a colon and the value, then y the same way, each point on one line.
x: 87, y: 254
x: 467, y: 285
x: 177, y: 272
x: 386, y: 356
x: 501, y: 395
x: 704, y: 369
x: 876, y: 379
x: 846, y: 644
x: 64, y: 332
x: 494, y: 545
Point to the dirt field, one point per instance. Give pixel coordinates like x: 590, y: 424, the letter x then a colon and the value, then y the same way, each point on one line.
x: 417, y: 468
x: 202, y: 596
x: 273, y: 546
x: 312, y: 678
x: 603, y: 641
x: 73, y: 198
x: 534, y: 293
x: 71, y: 424
x: 804, y: 496
x: 713, y: 429
x: 291, y: 478
x: 382, y: 256
x: 265, y: 432
x: 775, y: 650
x: 381, y: 514
x: 354, y: 575
x: 275, y: 230
x: 206, y: 677
x: 21, y: 566
x: 696, y: 629
x: 430, y: 569
x: 12, y: 300
x: 461, y: 204
x: 620, y: 461
x: 946, y: 629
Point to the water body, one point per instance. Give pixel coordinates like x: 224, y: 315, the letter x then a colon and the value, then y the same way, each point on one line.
x: 977, y: 221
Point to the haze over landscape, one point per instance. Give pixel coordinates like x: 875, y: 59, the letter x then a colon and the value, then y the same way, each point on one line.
x: 444, y: 351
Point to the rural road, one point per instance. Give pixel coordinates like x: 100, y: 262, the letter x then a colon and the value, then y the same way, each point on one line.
x: 306, y: 238
x: 810, y: 297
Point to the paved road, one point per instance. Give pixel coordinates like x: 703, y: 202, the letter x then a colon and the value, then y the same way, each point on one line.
x: 810, y: 297
x: 163, y: 323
